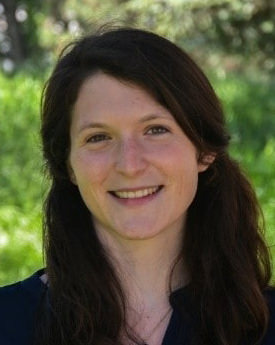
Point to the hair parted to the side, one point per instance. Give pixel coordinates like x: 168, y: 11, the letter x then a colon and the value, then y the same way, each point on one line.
x: 224, y: 250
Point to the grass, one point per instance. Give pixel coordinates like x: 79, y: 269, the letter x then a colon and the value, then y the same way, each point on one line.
x: 250, y: 113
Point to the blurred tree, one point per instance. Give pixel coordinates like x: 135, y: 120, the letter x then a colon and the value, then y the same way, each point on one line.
x: 19, y: 31
x: 246, y: 27
x: 236, y: 33
x: 225, y: 35
x: 56, y: 9
x: 13, y: 31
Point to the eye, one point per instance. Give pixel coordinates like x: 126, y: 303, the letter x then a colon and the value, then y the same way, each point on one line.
x: 97, y: 138
x: 157, y: 130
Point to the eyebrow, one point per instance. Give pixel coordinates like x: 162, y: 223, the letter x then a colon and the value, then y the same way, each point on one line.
x: 146, y: 118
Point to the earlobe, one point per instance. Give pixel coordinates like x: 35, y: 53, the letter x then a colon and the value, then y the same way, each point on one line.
x: 206, y: 160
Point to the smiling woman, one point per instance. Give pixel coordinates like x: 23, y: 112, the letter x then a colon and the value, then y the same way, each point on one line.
x: 128, y: 174
x: 152, y: 233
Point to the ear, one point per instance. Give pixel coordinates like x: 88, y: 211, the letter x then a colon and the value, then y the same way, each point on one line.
x: 206, y: 160
x: 71, y: 173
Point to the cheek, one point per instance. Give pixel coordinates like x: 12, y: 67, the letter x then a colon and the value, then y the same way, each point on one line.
x: 187, y: 182
x: 179, y: 158
x: 90, y: 168
x: 182, y: 169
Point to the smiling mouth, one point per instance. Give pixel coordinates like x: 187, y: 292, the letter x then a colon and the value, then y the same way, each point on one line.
x: 136, y: 194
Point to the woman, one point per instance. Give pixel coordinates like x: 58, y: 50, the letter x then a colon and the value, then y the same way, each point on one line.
x: 151, y: 231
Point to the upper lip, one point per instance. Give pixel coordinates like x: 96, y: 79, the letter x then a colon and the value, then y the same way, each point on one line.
x: 135, y: 188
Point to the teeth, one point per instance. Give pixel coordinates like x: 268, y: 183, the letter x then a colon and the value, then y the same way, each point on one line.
x: 137, y: 194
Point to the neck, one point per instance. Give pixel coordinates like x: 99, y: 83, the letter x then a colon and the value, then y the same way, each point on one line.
x: 144, y: 267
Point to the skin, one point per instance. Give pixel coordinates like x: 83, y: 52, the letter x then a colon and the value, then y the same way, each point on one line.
x: 122, y: 138
x: 128, y: 154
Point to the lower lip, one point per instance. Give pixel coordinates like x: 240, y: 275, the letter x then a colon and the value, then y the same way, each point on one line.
x: 137, y: 201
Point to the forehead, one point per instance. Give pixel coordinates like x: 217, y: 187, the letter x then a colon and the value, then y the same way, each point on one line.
x: 105, y: 88
x: 102, y: 96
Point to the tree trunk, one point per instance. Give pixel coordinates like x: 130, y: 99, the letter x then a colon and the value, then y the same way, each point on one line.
x: 17, y: 51
x: 56, y: 9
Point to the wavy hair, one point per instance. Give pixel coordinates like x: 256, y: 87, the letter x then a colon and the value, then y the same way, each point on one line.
x: 224, y: 248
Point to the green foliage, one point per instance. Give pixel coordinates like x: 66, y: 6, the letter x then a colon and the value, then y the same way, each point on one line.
x: 249, y: 107
x: 20, y: 242
x: 250, y: 111
x: 21, y: 184
x: 30, y: 27
x: 19, y: 132
x: 243, y: 30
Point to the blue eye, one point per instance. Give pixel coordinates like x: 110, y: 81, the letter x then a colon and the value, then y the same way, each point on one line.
x: 157, y: 130
x: 97, y: 138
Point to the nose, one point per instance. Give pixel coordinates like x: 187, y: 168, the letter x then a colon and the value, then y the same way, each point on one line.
x: 130, y: 158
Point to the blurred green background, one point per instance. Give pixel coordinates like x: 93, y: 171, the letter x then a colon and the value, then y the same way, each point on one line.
x: 233, y: 41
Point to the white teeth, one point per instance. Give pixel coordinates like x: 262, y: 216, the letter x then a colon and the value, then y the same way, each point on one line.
x: 137, y: 194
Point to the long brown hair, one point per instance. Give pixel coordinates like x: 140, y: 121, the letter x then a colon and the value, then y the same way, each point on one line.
x: 224, y: 248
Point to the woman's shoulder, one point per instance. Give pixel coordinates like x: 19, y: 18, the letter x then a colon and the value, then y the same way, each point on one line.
x: 269, y: 294
x: 18, y: 303
x: 269, y: 338
x: 28, y: 288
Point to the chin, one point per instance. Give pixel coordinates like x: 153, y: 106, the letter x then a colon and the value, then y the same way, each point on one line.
x: 134, y: 234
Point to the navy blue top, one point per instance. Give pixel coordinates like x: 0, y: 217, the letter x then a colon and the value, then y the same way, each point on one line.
x: 19, y: 301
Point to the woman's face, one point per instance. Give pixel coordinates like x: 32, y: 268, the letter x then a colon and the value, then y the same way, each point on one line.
x: 135, y: 168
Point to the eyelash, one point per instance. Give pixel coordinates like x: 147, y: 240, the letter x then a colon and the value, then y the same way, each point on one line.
x: 91, y: 139
x: 160, y: 130
x: 159, y: 127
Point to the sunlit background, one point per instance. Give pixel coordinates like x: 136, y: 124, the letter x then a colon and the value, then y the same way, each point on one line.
x: 232, y: 40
